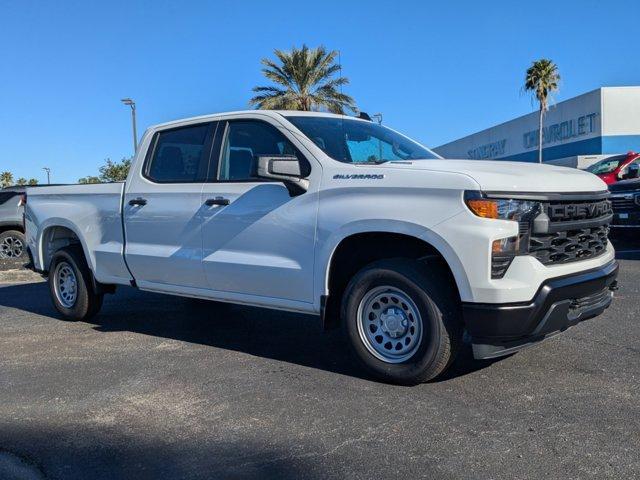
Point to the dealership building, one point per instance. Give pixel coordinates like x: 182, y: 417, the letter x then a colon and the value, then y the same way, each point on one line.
x: 576, y: 132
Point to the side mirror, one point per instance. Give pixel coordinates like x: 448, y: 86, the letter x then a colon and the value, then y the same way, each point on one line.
x: 283, y: 168
x: 634, y: 171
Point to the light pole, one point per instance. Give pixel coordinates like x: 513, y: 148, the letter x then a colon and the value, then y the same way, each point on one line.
x: 132, y: 104
x: 48, y: 170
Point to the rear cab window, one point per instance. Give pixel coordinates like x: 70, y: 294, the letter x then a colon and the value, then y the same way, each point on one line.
x: 6, y: 196
x: 180, y: 155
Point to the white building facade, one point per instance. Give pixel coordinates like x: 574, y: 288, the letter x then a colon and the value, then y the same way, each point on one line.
x: 576, y: 132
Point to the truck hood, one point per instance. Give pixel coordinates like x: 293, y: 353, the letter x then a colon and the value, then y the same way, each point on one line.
x: 625, y: 186
x: 512, y: 176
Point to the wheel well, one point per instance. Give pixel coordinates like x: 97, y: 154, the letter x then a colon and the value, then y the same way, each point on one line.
x: 358, y: 250
x: 55, y: 238
x: 6, y: 228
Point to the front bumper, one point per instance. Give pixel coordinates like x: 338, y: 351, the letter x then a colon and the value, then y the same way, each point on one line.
x: 500, y: 329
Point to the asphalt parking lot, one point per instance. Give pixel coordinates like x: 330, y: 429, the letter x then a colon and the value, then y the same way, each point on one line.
x: 165, y: 387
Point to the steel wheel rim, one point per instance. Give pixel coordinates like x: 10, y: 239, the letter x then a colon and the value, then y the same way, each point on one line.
x: 389, y: 324
x: 65, y: 285
x: 11, y: 247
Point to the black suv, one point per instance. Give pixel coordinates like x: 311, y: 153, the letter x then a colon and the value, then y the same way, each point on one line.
x: 625, y: 199
x: 12, y: 241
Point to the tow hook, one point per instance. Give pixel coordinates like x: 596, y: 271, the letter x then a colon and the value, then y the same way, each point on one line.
x: 614, y: 286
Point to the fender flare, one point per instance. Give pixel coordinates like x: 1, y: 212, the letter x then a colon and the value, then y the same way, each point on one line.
x: 54, y: 222
x: 331, y: 243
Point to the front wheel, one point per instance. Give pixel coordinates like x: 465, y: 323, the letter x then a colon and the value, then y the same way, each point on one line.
x: 402, y: 319
x: 71, y: 286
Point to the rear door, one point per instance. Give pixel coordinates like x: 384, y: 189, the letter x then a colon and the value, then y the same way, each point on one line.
x: 258, y: 238
x: 163, y: 209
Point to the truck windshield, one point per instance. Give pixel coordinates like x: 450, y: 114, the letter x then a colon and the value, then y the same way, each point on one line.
x: 607, y: 165
x: 357, y: 141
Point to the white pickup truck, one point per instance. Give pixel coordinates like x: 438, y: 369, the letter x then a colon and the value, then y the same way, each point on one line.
x: 343, y: 218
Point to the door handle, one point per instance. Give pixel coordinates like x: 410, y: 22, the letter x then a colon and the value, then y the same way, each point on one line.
x: 138, y: 201
x: 217, y: 201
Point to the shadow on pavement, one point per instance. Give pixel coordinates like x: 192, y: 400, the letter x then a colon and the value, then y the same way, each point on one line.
x: 626, y: 243
x: 282, y: 336
x: 81, y: 451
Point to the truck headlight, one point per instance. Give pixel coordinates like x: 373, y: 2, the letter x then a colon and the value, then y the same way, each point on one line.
x: 500, y: 208
x: 504, y: 250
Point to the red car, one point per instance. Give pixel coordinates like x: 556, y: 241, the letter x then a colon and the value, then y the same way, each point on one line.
x: 616, y: 168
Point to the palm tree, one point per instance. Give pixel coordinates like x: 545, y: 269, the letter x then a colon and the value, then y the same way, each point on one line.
x: 541, y: 80
x: 305, y: 81
x: 32, y: 181
x: 21, y: 181
x: 6, y: 179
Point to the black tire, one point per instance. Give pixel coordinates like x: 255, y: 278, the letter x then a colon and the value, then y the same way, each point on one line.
x: 430, y: 289
x: 9, y: 242
x: 87, y: 303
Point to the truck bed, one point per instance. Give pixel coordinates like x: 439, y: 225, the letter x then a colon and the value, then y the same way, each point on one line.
x: 89, y: 214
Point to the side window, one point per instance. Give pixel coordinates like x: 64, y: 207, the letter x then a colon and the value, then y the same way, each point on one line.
x: 631, y: 170
x: 180, y: 155
x: 244, y: 142
x: 6, y: 196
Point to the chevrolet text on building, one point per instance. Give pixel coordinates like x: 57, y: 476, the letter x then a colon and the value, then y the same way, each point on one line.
x: 561, y: 132
x: 577, y: 132
x: 342, y: 218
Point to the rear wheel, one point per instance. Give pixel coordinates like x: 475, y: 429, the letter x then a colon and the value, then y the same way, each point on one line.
x: 13, y: 245
x: 71, y: 286
x: 402, y: 319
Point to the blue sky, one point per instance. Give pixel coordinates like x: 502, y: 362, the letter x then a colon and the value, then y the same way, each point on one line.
x: 436, y: 70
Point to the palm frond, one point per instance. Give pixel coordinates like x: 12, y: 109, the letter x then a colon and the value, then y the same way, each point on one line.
x: 275, y: 73
x: 542, y: 79
x: 307, y: 76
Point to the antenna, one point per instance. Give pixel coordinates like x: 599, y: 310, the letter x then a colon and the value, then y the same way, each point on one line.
x: 342, y: 116
x: 340, y: 68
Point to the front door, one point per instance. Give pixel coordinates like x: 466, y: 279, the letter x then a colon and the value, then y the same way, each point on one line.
x: 163, y: 209
x: 258, y: 239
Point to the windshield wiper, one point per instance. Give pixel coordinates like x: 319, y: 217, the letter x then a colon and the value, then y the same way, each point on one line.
x: 373, y: 162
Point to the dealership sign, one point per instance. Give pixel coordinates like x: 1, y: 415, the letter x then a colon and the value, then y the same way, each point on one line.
x: 490, y: 150
x: 559, y: 132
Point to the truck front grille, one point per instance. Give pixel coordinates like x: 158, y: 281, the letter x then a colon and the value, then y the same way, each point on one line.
x: 580, y: 211
x: 624, y: 203
x: 569, y: 245
x: 572, y: 231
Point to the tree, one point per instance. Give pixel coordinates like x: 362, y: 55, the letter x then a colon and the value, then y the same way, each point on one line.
x: 32, y: 181
x: 6, y: 179
x: 89, y: 179
x: 115, y: 171
x: 541, y: 80
x: 21, y: 181
x: 305, y: 81
x: 110, y: 172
